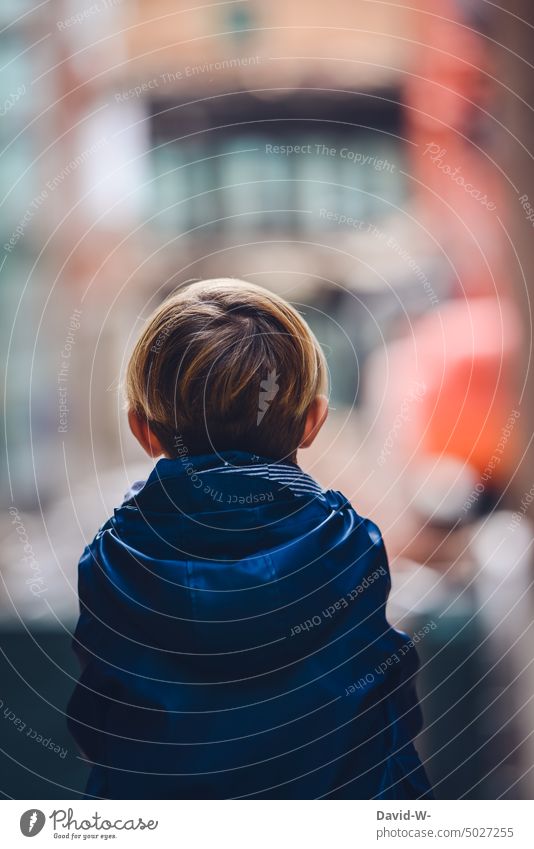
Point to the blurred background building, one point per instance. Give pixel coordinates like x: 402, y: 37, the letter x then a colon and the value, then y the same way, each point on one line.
x: 367, y: 161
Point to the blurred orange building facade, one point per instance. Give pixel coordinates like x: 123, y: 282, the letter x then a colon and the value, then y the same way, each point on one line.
x: 128, y: 79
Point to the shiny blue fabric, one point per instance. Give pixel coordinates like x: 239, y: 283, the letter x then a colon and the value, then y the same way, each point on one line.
x: 234, y: 643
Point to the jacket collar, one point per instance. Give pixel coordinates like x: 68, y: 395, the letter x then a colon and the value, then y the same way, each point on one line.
x: 213, y: 482
x: 187, y: 464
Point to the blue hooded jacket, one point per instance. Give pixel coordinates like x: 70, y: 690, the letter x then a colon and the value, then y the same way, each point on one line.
x: 234, y: 643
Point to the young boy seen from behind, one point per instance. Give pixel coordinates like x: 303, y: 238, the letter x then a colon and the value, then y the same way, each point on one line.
x: 232, y: 627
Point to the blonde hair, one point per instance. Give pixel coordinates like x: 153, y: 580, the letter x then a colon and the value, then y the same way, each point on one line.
x: 197, y: 370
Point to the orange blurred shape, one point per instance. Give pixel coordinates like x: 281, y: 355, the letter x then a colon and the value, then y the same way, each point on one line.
x: 450, y: 387
x: 468, y: 354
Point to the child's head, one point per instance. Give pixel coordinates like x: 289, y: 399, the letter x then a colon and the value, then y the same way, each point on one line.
x: 224, y: 364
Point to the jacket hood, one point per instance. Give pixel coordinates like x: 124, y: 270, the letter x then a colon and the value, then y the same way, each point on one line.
x: 235, y: 643
x: 223, y: 556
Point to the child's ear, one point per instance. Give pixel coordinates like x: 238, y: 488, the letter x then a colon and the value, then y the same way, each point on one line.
x: 145, y: 437
x: 315, y: 420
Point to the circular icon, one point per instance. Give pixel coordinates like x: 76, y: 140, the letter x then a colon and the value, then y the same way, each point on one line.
x: 31, y: 822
